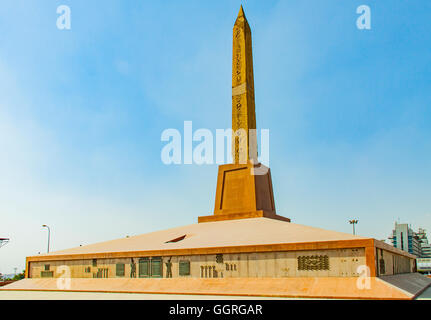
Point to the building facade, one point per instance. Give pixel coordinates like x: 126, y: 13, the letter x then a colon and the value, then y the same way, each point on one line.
x: 404, y: 238
x: 344, y: 262
x: 416, y: 243
x: 425, y: 245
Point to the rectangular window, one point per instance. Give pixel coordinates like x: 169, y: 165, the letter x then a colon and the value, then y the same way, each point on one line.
x: 120, y: 270
x: 47, y: 274
x: 47, y: 267
x: 184, y: 267
x: 156, y: 267
x: 94, y: 262
x: 144, y: 268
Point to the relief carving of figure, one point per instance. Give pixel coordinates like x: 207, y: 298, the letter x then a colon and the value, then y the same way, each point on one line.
x: 169, y: 268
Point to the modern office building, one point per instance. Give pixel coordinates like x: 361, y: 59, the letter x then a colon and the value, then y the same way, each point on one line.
x: 404, y: 238
x: 425, y: 245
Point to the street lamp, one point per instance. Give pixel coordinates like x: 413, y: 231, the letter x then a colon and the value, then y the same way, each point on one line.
x: 353, y: 222
x: 49, y: 234
x: 3, y: 241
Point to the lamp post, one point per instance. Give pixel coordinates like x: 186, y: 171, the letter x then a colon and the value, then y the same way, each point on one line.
x: 49, y: 234
x: 3, y: 241
x: 353, y: 222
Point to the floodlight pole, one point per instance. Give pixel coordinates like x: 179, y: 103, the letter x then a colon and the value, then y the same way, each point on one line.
x: 353, y: 222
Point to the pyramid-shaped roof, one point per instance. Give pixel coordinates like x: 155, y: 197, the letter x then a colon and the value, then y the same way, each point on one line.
x: 220, y: 234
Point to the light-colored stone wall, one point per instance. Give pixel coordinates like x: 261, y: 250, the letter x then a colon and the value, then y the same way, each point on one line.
x: 342, y: 263
x: 389, y: 263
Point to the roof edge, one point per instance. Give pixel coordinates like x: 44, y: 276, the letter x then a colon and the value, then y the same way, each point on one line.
x: 297, y: 246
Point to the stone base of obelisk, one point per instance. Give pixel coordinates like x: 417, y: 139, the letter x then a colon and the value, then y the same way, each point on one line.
x: 243, y: 191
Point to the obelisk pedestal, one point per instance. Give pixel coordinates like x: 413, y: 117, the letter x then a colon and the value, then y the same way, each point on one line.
x: 243, y: 191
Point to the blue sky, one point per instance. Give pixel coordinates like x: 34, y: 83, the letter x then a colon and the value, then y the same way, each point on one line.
x: 82, y: 112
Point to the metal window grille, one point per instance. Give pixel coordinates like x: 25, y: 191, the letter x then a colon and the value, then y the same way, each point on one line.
x: 120, y: 270
x: 184, y: 267
x: 156, y: 267
x: 144, y: 268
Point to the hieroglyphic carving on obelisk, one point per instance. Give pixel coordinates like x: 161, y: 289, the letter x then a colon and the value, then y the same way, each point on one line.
x: 244, y: 142
x: 244, y: 188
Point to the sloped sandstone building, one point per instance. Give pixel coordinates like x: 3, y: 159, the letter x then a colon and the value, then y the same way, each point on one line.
x: 244, y: 248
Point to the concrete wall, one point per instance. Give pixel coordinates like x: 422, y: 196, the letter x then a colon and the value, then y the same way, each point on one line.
x: 339, y: 263
x: 389, y: 263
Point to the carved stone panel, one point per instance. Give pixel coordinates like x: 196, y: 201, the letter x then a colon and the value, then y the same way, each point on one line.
x: 313, y: 263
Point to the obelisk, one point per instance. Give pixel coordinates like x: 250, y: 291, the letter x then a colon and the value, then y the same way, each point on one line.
x: 244, y: 187
x: 244, y: 145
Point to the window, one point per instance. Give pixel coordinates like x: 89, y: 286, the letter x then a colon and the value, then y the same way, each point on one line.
x: 144, y: 268
x: 46, y: 274
x: 47, y: 267
x: 150, y: 267
x: 156, y: 267
x: 120, y: 270
x: 184, y: 267
x: 94, y: 262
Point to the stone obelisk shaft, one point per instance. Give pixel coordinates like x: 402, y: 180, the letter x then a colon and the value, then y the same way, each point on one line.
x: 244, y: 146
x: 244, y: 188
